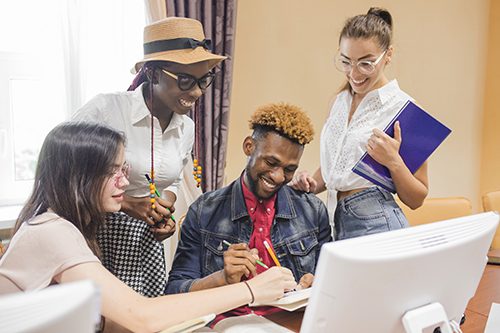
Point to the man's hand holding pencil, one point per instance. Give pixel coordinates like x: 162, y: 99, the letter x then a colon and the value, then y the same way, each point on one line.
x: 239, y: 260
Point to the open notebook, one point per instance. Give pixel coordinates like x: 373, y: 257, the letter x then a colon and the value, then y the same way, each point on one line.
x: 292, y: 300
x: 249, y: 324
x: 241, y: 324
x: 190, y: 325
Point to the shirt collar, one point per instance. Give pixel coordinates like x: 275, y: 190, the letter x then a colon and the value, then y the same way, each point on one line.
x: 140, y: 109
x: 251, y: 199
x: 141, y: 112
x: 176, y: 122
x: 283, y: 203
x: 385, y: 92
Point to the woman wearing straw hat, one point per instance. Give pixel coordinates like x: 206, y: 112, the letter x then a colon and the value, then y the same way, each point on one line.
x: 366, y: 103
x: 174, y: 73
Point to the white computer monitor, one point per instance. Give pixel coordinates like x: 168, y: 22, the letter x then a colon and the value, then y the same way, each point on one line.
x: 369, y: 284
x: 71, y: 307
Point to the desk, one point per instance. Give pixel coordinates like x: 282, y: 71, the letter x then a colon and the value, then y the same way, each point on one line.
x: 476, y: 313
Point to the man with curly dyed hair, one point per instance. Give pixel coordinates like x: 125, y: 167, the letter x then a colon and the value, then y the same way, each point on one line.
x: 224, y: 232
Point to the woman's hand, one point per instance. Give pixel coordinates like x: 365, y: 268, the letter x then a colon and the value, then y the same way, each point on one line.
x: 164, y: 229
x: 302, y: 181
x: 384, y: 149
x: 158, y: 218
x: 411, y: 188
x: 271, y: 284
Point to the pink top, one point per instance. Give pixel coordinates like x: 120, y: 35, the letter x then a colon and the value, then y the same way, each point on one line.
x: 41, y: 249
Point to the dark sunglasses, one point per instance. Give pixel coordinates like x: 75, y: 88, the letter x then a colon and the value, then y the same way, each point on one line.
x: 187, y: 82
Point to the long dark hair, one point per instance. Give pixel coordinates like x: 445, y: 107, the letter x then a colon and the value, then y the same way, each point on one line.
x: 75, y: 161
x: 377, y: 23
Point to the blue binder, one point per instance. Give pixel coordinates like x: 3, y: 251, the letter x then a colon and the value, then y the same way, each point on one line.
x: 421, y: 134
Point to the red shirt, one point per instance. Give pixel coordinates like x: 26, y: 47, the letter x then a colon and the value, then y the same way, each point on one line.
x: 262, y: 215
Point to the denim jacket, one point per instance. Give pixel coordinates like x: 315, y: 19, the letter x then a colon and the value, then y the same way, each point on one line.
x: 299, y: 229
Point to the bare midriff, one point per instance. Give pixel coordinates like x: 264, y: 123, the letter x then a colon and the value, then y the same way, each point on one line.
x: 342, y: 194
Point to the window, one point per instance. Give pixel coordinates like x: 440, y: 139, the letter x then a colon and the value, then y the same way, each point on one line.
x: 54, y: 56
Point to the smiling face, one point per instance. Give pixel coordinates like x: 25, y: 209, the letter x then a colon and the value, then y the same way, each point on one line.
x: 113, y: 189
x: 272, y: 162
x: 168, y: 96
x: 364, y: 49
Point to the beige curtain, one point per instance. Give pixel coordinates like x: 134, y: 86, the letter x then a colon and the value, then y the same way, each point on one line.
x: 155, y: 10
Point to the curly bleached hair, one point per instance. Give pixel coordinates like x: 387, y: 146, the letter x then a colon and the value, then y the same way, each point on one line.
x: 286, y: 119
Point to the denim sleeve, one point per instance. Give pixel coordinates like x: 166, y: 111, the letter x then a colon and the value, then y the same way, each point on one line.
x: 324, y: 227
x: 186, y: 267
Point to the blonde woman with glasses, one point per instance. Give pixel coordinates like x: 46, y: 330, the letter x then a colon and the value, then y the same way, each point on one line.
x: 363, y: 107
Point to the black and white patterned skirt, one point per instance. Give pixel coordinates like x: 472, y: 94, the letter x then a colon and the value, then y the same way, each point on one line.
x: 132, y: 254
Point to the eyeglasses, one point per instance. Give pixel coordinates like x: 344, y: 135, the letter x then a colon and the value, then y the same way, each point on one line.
x: 120, y: 172
x: 186, y: 82
x: 345, y: 65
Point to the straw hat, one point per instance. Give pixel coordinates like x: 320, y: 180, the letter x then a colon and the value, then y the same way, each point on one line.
x: 177, y: 39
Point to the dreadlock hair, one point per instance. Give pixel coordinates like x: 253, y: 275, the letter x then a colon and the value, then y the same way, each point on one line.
x: 147, y: 69
x: 288, y: 120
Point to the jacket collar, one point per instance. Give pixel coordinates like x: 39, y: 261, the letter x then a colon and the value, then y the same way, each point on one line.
x: 284, y: 206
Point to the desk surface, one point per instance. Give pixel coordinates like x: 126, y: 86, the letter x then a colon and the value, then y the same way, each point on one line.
x: 476, y: 313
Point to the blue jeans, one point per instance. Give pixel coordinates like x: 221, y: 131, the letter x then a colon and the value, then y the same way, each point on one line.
x: 367, y: 212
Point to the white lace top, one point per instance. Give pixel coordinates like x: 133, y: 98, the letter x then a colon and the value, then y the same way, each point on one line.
x: 342, y: 143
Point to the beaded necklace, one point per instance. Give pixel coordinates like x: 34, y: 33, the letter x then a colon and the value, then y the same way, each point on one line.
x: 197, y: 169
x: 152, y: 185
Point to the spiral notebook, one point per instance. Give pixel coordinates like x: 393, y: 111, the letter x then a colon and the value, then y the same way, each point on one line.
x: 421, y: 135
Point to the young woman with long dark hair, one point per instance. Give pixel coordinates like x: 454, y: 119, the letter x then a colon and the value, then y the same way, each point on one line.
x: 80, y: 177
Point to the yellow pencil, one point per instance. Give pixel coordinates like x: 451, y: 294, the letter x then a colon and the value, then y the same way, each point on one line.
x: 271, y: 253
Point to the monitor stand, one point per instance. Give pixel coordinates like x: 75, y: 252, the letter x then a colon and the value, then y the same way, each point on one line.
x: 426, y: 319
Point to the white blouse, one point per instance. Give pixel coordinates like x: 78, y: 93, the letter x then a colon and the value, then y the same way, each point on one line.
x: 343, y: 143
x: 127, y: 112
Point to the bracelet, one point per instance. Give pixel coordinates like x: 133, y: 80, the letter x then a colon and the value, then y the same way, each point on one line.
x: 251, y: 292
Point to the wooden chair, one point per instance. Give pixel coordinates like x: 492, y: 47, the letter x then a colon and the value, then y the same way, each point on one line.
x: 179, y: 226
x: 437, y: 209
x: 491, y: 201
